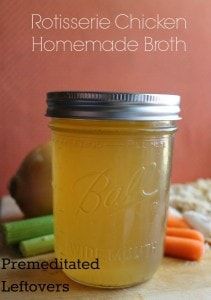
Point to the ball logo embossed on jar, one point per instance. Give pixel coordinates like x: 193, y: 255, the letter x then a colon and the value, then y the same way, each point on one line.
x: 99, y: 191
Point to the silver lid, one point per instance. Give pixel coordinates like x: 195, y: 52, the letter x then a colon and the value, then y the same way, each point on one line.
x: 113, y: 106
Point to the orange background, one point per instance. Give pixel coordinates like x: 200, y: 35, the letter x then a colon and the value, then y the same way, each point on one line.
x: 25, y: 77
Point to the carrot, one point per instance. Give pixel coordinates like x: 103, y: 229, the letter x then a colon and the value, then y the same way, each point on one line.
x: 184, y: 248
x: 185, y: 233
x: 176, y: 222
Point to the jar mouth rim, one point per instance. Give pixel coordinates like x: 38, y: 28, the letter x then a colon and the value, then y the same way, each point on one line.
x: 113, y: 105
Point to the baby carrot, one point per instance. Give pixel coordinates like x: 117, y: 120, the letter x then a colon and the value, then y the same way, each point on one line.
x: 184, y: 248
x: 176, y: 222
x: 185, y: 233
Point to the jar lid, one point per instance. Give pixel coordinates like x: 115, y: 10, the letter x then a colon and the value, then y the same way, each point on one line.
x: 113, y: 106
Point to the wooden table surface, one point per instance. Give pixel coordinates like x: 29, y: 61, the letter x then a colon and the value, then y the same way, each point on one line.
x: 175, y: 279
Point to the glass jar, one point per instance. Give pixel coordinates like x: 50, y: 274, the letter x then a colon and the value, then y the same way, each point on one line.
x: 112, y: 157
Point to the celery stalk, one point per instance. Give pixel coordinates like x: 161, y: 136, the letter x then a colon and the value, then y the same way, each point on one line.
x: 17, y: 231
x: 36, y: 246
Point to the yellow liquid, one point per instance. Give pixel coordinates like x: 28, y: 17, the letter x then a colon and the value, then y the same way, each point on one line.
x: 111, y: 182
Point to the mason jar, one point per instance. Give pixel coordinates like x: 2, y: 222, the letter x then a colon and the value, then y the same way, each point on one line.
x: 112, y: 155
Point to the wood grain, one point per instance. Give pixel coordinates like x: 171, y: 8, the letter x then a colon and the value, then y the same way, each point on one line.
x: 175, y: 279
